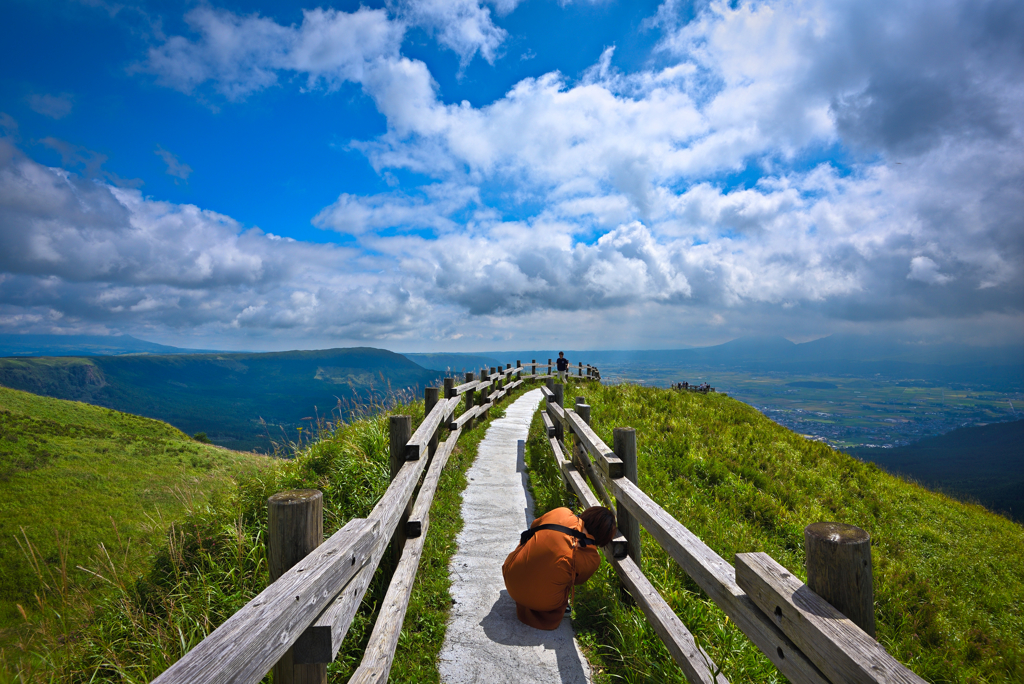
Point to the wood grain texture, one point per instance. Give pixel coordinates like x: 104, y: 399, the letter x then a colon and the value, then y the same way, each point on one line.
x: 832, y: 641
x: 838, y: 561
x: 419, y: 443
x: 295, y: 528
x: 607, y: 461
x: 248, y: 643
x: 321, y: 642
x: 718, y: 579
x: 414, y: 527
x: 694, y: 661
x: 549, y: 426
x: 380, y: 650
x: 624, y: 441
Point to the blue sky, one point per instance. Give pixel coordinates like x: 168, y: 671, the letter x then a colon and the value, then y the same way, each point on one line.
x: 464, y: 175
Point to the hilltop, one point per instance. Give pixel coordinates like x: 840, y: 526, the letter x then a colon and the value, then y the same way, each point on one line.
x: 242, y: 401
x: 74, y: 476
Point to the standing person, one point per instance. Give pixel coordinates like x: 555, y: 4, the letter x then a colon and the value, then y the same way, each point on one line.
x: 562, y: 364
x: 543, y: 571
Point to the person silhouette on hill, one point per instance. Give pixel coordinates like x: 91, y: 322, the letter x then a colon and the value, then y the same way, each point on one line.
x: 562, y: 364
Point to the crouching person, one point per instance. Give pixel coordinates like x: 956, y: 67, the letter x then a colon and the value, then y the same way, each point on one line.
x: 554, y: 555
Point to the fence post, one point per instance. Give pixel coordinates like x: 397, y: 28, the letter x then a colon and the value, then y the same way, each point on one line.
x: 533, y: 367
x: 449, y: 388
x: 839, y: 570
x: 583, y: 411
x: 580, y: 372
x: 485, y: 395
x: 470, y: 401
x: 549, y: 366
x: 400, y: 429
x: 430, y: 398
x: 624, y: 446
x: 559, y: 391
x: 295, y: 527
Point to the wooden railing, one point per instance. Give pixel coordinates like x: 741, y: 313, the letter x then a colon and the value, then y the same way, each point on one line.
x: 296, y: 625
x: 803, y: 634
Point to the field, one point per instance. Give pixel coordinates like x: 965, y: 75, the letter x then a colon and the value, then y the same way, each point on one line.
x: 948, y: 576
x: 845, y: 411
x: 83, y: 490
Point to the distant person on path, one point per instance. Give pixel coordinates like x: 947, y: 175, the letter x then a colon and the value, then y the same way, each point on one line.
x: 562, y: 364
x: 543, y: 571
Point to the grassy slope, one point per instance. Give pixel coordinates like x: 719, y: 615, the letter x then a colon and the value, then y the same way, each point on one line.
x: 215, y: 562
x: 73, y: 476
x: 949, y: 576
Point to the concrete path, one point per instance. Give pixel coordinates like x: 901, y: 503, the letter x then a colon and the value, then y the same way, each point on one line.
x: 485, y: 642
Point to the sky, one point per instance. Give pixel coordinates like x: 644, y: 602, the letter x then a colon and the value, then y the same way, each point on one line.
x: 458, y: 175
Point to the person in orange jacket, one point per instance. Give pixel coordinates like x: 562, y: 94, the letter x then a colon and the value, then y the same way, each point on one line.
x: 554, y: 555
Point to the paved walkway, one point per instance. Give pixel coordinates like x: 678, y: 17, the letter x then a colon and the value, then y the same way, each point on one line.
x: 485, y: 642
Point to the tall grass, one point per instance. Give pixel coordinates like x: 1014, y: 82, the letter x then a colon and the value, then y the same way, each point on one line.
x: 949, y: 577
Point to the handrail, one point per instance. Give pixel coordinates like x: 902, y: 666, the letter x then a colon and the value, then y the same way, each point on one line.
x: 863, y: 659
x: 311, y: 606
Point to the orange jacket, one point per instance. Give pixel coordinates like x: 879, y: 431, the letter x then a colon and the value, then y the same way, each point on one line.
x: 540, y: 575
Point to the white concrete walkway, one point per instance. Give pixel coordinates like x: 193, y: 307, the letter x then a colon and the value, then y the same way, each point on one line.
x: 485, y: 642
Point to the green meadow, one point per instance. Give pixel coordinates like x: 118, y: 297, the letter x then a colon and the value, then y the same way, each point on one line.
x: 86, y: 492
x: 948, y: 576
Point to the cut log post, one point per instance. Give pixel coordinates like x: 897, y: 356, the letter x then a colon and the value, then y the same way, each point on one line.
x: 624, y: 445
x: 430, y: 398
x: 449, y: 388
x: 549, y: 366
x: 485, y: 400
x: 470, y: 402
x: 580, y: 373
x: 295, y: 527
x: 549, y: 382
x: 839, y: 570
x: 400, y: 429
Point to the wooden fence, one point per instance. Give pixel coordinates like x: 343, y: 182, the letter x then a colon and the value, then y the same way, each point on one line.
x: 296, y: 625
x: 803, y: 634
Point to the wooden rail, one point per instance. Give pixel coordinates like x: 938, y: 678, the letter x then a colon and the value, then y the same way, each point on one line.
x: 302, y: 618
x: 805, y: 637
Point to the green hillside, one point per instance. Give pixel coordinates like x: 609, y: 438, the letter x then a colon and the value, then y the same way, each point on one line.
x: 948, y: 576
x: 242, y: 401
x: 74, y: 476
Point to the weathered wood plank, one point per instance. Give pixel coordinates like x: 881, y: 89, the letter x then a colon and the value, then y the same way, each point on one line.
x: 617, y: 547
x: 718, y: 579
x: 549, y: 427
x: 247, y: 644
x: 840, y: 649
x: 320, y: 643
x: 380, y: 650
x: 694, y: 661
x: 414, y: 526
x: 591, y: 472
x: 420, y: 439
x: 606, y: 458
x: 465, y: 417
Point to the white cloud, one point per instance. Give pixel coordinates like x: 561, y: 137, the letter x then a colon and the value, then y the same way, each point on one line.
x: 464, y: 26
x: 927, y: 271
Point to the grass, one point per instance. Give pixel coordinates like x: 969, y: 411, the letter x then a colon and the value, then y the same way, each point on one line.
x: 948, y: 576
x: 214, y: 562
x: 83, y: 487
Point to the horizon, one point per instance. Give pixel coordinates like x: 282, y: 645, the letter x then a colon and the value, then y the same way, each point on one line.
x: 512, y: 174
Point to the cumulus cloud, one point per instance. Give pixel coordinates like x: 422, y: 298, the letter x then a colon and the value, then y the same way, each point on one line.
x: 240, y: 55
x: 464, y: 26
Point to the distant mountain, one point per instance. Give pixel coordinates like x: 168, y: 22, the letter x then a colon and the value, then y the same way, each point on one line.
x: 83, y: 345
x: 226, y: 395
x: 983, y: 463
x: 455, y: 363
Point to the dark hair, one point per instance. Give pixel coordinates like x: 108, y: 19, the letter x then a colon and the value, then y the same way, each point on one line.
x: 600, y: 523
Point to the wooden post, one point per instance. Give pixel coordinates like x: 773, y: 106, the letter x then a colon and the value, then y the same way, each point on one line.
x: 583, y: 411
x: 624, y: 446
x: 295, y: 527
x: 400, y: 429
x: 839, y: 570
x: 430, y: 397
x: 449, y: 388
x: 493, y: 371
x: 549, y: 366
x: 549, y: 382
x: 485, y: 396
x: 580, y: 372
x: 559, y: 391
x: 533, y: 367
x: 470, y: 403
